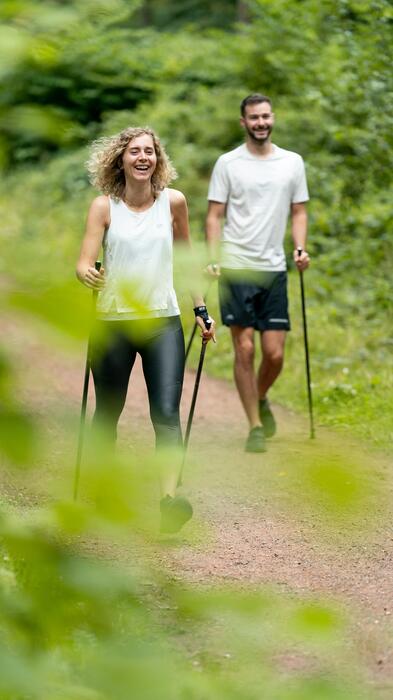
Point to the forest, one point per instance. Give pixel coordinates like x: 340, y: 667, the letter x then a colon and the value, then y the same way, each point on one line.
x: 84, y: 629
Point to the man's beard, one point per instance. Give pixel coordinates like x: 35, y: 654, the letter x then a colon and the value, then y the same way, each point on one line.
x: 256, y: 139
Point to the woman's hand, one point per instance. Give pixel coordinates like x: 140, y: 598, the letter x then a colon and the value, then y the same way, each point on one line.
x: 94, y: 279
x: 207, y: 334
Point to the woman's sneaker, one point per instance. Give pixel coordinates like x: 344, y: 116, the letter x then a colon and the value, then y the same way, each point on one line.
x: 175, y: 512
x: 267, y: 418
x: 256, y: 440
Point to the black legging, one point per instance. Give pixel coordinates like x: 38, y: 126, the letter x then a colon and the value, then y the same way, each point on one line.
x: 160, y: 343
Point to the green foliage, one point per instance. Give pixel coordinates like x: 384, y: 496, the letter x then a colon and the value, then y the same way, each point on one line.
x: 195, y: 80
x: 329, y: 75
x: 73, y: 625
x: 165, y: 13
x: 82, y: 625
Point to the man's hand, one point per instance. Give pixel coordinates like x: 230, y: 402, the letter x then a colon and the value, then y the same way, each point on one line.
x: 301, y: 258
x: 94, y: 279
x: 213, y: 269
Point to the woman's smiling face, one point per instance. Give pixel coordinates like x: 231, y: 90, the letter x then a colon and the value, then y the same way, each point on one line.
x: 139, y: 158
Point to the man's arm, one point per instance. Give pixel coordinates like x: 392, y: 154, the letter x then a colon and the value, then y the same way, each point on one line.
x: 299, y: 234
x: 214, y: 219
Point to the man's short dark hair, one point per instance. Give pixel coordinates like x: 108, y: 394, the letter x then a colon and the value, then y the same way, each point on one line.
x: 254, y: 99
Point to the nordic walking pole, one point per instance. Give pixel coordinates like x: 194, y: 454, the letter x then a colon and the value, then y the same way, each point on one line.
x: 191, y: 338
x: 84, y: 398
x: 193, y: 402
x: 306, y: 352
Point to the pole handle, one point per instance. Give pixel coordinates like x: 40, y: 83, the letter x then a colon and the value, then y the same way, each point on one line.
x: 188, y: 348
x: 97, y: 266
x: 208, y: 324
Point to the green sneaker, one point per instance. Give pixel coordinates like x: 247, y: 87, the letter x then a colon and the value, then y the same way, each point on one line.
x: 267, y: 418
x: 256, y: 440
x: 175, y: 512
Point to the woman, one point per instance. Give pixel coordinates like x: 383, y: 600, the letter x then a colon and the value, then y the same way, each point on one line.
x: 136, y: 220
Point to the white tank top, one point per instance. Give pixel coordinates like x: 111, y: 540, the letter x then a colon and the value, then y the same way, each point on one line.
x: 138, y: 262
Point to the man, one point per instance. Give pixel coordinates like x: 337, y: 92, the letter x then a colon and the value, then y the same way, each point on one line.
x: 255, y: 188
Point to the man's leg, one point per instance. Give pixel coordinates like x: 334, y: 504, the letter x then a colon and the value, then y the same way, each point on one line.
x: 272, y: 346
x: 246, y: 383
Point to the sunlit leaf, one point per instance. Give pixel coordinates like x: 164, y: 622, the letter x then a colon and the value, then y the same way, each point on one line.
x: 18, y: 438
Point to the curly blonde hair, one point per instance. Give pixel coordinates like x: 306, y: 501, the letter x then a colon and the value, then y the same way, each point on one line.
x: 105, y: 165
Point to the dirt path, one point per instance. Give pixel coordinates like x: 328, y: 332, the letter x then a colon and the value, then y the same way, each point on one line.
x: 259, y: 519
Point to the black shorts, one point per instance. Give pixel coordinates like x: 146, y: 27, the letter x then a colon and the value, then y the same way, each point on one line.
x: 254, y: 299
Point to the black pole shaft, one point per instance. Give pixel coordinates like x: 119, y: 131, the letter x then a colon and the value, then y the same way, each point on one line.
x: 307, y: 356
x: 82, y: 420
x: 192, y: 409
x: 191, y: 338
x: 82, y: 425
x: 194, y: 395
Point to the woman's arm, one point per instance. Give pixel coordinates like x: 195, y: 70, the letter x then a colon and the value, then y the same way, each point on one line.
x: 181, y: 234
x: 97, y: 222
x: 181, y: 228
x: 179, y: 211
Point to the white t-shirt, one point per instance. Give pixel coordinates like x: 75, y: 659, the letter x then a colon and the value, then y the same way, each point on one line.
x: 258, y: 193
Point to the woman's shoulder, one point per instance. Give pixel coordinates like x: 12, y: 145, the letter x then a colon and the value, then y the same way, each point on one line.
x: 176, y: 198
x: 100, y: 207
x: 101, y: 201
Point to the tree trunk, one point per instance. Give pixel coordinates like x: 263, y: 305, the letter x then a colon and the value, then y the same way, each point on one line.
x: 242, y: 11
x: 146, y: 15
